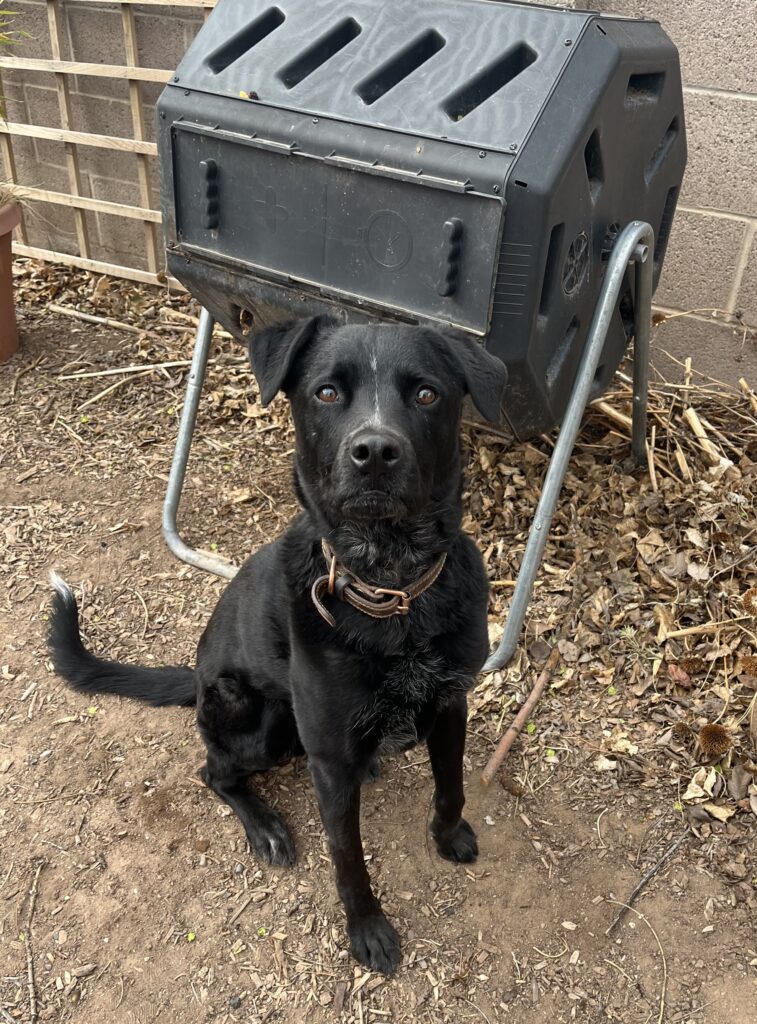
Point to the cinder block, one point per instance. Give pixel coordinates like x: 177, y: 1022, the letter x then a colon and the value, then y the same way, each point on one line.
x: 101, y: 116
x: 722, y: 154
x: 52, y: 227
x: 701, y: 261
x: 108, y: 163
x: 120, y: 241
x: 715, y: 37
x: 95, y: 34
x: 717, y: 350
x: 49, y: 153
x: 115, y: 191
x: 36, y: 174
x: 746, y: 303
x: 13, y: 103
x: 42, y: 105
x: 31, y: 19
x: 162, y: 41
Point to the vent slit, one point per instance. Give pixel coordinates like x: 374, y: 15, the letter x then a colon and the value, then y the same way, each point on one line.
x: 551, y: 267
x: 488, y: 81
x: 403, y: 63
x: 244, y: 40
x: 644, y: 89
x: 594, y: 169
x: 322, y: 50
x: 659, y: 156
x: 666, y: 223
x: 559, y: 360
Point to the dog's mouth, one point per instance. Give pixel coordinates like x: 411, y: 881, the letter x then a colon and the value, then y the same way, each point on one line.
x: 373, y: 504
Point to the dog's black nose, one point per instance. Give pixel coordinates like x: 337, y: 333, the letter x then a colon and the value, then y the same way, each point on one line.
x: 375, y: 454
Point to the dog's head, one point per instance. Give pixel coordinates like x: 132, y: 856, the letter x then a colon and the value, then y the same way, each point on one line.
x: 376, y: 410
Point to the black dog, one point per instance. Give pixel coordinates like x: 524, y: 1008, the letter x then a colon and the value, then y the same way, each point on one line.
x: 362, y: 628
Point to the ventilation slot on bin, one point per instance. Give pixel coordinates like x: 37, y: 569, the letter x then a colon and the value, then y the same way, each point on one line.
x: 245, y: 39
x: 487, y: 82
x: 643, y: 89
x: 559, y: 359
x: 666, y: 223
x: 321, y: 51
x: 550, y: 267
x: 658, y: 157
x: 594, y: 170
x: 404, y: 63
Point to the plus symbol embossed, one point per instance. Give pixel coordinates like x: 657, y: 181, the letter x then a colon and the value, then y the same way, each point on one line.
x: 273, y: 213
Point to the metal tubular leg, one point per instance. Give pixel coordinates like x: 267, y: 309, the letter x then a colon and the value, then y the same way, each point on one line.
x: 181, y: 456
x: 642, y: 331
x: 634, y: 243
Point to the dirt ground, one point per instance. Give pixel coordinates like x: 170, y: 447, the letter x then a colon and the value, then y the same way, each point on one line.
x: 147, y: 904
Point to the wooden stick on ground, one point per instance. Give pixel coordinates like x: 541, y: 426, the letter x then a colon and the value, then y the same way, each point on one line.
x: 91, y: 318
x: 648, y: 877
x: 521, y: 718
x: 29, y: 951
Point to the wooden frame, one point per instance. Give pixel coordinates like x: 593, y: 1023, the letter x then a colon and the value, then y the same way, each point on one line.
x: 143, y: 149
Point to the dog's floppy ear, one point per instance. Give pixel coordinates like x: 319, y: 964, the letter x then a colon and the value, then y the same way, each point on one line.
x: 484, y: 375
x: 274, y: 350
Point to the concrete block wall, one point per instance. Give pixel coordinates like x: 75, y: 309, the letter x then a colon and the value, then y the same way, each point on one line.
x: 712, y: 256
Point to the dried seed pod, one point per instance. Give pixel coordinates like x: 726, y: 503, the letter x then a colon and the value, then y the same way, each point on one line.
x: 749, y: 601
x: 681, y: 732
x: 693, y: 665
x: 714, y: 740
x: 748, y: 664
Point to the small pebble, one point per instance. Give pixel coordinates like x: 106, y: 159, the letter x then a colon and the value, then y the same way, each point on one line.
x: 235, y: 1002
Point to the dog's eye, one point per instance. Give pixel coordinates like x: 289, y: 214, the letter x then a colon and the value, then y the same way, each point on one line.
x: 327, y: 394
x: 426, y: 396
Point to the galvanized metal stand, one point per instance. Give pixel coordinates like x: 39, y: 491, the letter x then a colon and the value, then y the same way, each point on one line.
x: 181, y: 456
x: 634, y: 245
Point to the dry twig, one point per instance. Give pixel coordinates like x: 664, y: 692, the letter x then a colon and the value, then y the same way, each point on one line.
x: 648, y: 877
x: 29, y: 952
x: 521, y: 718
x: 91, y: 318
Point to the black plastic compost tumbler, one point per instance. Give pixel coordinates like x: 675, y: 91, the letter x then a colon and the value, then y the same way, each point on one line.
x: 508, y: 169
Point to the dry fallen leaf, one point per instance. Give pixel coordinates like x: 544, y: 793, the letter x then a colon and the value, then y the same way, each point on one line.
x: 719, y: 811
x: 679, y: 677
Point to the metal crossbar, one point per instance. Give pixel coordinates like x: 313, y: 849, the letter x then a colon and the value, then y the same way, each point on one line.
x: 635, y: 245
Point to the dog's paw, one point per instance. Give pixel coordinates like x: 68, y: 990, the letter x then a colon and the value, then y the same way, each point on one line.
x: 375, y: 943
x: 272, y: 842
x: 460, y: 845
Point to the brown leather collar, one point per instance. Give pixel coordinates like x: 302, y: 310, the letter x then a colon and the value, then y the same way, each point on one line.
x: 378, y: 602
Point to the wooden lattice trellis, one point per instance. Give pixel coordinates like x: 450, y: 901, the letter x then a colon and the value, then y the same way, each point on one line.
x: 138, y: 144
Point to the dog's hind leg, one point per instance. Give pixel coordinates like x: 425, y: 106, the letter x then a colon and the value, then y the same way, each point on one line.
x: 246, y: 733
x: 266, y: 832
x: 455, y: 839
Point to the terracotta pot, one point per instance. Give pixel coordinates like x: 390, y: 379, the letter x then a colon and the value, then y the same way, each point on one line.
x: 10, y: 215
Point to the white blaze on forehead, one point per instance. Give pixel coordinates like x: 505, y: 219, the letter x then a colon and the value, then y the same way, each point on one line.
x: 376, y: 407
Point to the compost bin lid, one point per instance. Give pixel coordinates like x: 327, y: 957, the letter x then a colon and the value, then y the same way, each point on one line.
x: 474, y: 72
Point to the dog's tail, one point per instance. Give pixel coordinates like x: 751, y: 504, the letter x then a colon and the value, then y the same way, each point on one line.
x: 88, y: 674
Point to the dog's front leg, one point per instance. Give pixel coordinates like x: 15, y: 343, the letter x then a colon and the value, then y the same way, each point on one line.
x: 455, y: 839
x: 373, y: 941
